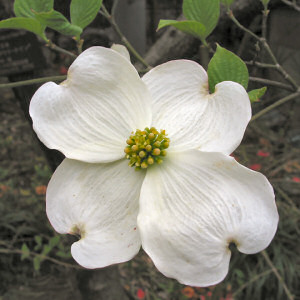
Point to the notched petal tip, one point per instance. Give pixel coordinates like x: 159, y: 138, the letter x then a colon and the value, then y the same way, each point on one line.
x: 78, y: 230
x: 196, y: 208
x: 101, y: 101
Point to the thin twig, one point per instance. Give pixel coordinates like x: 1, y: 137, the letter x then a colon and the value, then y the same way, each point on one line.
x: 292, y: 4
x: 276, y: 273
x: 287, y: 198
x: 253, y: 279
x: 17, y: 251
x: 54, y: 47
x: 277, y: 103
x: 266, y: 46
x: 272, y: 83
x: 114, y: 6
x: 33, y: 81
x: 264, y: 22
x: 115, y: 26
x: 260, y: 65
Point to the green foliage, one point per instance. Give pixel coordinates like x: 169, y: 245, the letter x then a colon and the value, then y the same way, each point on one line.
x: 36, y: 16
x: 55, y: 20
x: 25, y: 252
x: 226, y: 66
x: 227, y: 3
x: 84, y: 12
x: 37, y: 263
x: 26, y: 8
x: 265, y: 2
x: 54, y: 241
x: 205, y: 12
x: 38, y: 241
x: 24, y: 23
x: 256, y: 94
x: 202, y: 17
x: 193, y: 28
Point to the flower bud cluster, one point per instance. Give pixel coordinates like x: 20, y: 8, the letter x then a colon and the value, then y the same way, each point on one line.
x: 146, y: 147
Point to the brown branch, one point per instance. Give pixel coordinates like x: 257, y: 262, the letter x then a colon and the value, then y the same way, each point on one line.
x: 272, y: 83
x: 276, y: 273
x: 277, y: 103
x: 17, y: 251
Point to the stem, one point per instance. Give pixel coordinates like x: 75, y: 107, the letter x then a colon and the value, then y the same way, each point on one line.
x: 115, y: 26
x: 292, y: 4
x: 287, y: 198
x: 79, y: 45
x: 33, y: 81
x: 275, y: 271
x: 264, y: 43
x: 272, y: 106
x: 260, y: 65
x: 272, y: 83
x: 17, y: 251
x: 253, y: 279
x: 52, y: 46
x: 264, y: 22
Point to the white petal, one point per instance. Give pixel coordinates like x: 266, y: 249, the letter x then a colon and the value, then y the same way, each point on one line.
x: 121, y: 50
x: 90, y: 115
x: 100, y: 201
x: 192, y: 117
x: 194, y: 205
x: 226, y: 117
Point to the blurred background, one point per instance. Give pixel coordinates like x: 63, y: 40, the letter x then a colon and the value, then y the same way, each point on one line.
x: 35, y: 262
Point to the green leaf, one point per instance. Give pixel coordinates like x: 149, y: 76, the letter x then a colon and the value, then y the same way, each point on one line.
x: 54, y: 241
x: 25, y: 252
x: 63, y: 254
x: 227, y: 3
x: 226, y: 66
x: 206, y: 12
x: 37, y: 263
x: 25, y: 8
x: 38, y: 241
x: 84, y: 12
x: 24, y: 23
x: 46, y: 249
x: 191, y: 27
x: 265, y: 2
x: 58, y: 22
x: 255, y: 95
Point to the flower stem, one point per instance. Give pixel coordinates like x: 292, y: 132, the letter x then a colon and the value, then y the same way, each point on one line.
x: 54, y: 47
x: 277, y: 103
x: 275, y: 271
x: 253, y: 279
x: 115, y: 26
x: 33, y: 81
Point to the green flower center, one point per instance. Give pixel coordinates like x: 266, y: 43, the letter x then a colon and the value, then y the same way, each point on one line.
x: 146, y: 147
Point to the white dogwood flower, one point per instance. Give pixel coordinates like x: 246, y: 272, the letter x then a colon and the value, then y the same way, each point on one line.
x: 189, y: 200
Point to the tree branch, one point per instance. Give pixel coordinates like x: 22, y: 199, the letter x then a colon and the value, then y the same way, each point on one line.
x: 272, y: 106
x: 275, y: 271
x: 33, y: 81
x: 17, y: 251
x: 272, y: 83
x: 110, y: 18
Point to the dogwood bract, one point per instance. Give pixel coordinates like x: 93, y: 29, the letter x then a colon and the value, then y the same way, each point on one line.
x: 188, y: 200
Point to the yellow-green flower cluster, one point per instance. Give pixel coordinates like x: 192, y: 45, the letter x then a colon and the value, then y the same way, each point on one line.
x: 146, y: 147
